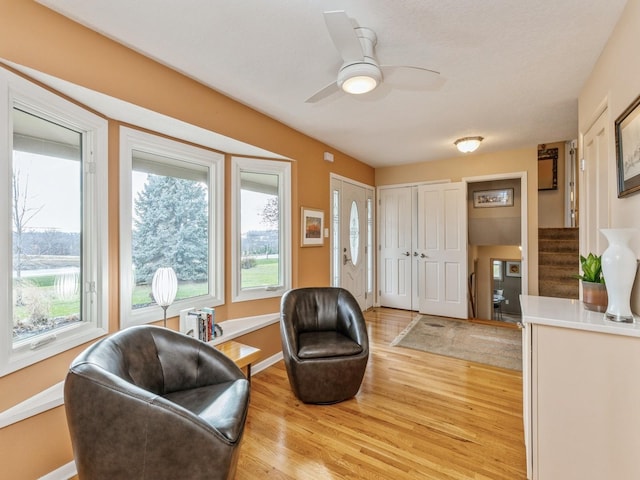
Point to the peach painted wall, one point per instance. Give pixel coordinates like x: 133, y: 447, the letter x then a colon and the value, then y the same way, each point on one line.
x: 35, y: 37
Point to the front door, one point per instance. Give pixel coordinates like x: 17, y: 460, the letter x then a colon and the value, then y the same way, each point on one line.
x: 442, y: 250
x: 353, y: 238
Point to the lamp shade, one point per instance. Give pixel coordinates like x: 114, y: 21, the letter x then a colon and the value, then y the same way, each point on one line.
x: 468, y: 144
x: 164, y: 286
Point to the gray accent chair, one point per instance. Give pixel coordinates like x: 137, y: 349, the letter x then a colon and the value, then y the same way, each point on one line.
x: 151, y: 403
x: 324, y: 343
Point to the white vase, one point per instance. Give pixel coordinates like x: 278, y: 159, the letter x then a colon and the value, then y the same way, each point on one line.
x: 619, y: 267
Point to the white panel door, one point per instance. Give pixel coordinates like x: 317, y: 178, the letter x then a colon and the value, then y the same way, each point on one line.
x: 594, y: 188
x: 442, y: 250
x: 396, y: 223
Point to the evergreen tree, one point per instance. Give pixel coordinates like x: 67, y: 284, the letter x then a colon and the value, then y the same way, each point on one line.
x: 171, y: 229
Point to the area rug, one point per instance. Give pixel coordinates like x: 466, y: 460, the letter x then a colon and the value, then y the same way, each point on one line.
x: 475, y: 342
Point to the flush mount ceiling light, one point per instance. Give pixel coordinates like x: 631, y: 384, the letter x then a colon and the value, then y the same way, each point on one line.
x: 359, y: 78
x: 468, y: 144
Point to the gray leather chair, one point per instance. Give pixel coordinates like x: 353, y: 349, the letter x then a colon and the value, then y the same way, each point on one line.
x: 324, y: 343
x: 151, y: 403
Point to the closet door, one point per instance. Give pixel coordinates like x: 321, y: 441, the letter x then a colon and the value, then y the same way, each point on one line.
x: 396, y: 217
x: 442, y: 250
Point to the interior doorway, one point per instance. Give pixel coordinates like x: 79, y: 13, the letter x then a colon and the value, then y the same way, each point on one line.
x: 497, y: 231
x: 506, y: 287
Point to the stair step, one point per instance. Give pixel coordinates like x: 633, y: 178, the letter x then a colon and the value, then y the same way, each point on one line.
x: 558, y: 262
x: 562, y: 246
x: 558, y: 289
x: 559, y: 233
x: 558, y: 274
x: 558, y: 259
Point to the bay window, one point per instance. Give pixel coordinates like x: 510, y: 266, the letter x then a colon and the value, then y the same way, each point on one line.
x: 53, y: 224
x: 171, y: 216
x: 261, y: 205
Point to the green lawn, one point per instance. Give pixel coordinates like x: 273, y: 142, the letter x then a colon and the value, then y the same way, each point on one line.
x: 265, y: 272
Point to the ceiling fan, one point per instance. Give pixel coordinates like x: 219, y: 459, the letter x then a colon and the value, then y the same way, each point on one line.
x: 360, y: 72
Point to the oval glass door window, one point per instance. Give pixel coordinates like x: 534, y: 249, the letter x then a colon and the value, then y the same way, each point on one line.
x: 354, y: 233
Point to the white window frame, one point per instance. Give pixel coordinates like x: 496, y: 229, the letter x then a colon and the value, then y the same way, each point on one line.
x: 130, y: 140
x: 16, y: 91
x: 283, y: 170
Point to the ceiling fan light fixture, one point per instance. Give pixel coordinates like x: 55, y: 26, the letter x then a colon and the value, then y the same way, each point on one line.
x: 468, y: 144
x: 359, y: 78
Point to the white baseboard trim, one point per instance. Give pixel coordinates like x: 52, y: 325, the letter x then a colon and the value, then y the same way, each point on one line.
x: 65, y: 472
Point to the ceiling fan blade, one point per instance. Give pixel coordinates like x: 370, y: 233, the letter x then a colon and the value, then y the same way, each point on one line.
x: 327, y: 91
x: 412, y: 78
x: 344, y: 36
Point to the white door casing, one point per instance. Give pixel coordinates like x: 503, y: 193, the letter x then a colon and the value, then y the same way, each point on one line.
x: 442, y: 250
x: 594, y: 188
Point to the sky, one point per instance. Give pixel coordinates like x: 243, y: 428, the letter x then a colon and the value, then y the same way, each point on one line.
x: 52, y: 185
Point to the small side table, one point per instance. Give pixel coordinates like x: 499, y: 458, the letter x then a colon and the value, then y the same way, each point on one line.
x: 242, y: 355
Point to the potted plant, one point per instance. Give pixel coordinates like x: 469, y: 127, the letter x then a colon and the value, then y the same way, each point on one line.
x: 594, y: 292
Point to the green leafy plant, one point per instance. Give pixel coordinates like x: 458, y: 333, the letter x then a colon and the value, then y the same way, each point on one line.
x: 591, y: 268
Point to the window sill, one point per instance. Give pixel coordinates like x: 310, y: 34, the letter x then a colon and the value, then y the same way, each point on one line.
x: 50, y: 398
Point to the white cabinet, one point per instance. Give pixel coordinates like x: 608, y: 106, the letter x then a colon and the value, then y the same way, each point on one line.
x: 581, y: 393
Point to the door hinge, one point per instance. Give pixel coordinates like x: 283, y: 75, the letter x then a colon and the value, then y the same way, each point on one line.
x: 583, y: 165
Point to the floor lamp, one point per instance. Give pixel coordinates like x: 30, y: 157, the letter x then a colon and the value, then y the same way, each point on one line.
x: 164, y: 287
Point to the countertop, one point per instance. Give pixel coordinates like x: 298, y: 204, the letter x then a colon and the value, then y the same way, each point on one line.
x: 568, y: 313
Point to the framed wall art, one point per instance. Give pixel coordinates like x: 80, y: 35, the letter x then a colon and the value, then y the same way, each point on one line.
x: 627, y: 127
x: 493, y: 198
x: 312, y: 226
x: 513, y: 269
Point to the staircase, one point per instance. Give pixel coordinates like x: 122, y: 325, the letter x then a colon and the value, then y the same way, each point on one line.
x: 558, y: 262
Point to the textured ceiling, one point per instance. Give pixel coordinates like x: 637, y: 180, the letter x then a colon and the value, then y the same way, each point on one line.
x: 513, y: 69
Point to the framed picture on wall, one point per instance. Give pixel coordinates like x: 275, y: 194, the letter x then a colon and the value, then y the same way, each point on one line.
x: 312, y: 226
x: 493, y: 198
x: 627, y: 127
x: 513, y: 269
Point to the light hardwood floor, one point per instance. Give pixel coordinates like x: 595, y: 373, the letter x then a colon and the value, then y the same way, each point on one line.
x: 417, y: 416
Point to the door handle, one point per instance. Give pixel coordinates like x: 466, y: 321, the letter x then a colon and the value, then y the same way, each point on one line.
x: 415, y: 254
x: 422, y: 255
x: 345, y: 259
x: 406, y: 254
